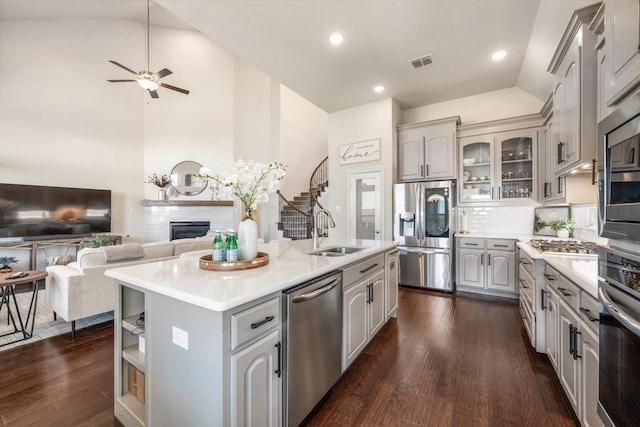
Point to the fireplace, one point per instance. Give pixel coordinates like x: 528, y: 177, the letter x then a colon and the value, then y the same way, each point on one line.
x: 188, y: 229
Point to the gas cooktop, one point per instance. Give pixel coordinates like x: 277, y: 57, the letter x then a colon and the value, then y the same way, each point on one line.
x: 564, y: 246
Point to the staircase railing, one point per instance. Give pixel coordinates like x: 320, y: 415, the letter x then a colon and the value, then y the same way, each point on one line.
x: 299, y: 222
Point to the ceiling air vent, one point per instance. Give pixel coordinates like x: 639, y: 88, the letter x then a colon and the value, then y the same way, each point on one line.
x: 421, y: 61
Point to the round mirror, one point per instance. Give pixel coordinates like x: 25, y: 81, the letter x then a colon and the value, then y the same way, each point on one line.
x: 184, y: 179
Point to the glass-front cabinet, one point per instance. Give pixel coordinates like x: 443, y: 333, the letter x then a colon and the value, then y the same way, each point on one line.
x: 500, y: 167
x: 477, y: 169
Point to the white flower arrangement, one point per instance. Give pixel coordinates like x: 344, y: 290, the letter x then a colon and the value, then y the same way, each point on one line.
x: 250, y: 182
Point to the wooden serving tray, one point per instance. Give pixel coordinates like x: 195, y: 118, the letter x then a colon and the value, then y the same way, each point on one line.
x: 260, y: 260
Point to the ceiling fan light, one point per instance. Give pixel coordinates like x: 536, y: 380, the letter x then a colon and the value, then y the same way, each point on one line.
x: 148, y: 84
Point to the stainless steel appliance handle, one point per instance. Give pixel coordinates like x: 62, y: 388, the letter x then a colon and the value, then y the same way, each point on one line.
x: 627, y: 320
x: 278, y: 370
x: 317, y: 292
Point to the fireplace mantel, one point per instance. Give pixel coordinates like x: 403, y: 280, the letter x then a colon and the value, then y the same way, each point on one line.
x: 187, y: 203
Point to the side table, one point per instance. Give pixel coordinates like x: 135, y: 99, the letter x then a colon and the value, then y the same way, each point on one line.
x: 7, y: 296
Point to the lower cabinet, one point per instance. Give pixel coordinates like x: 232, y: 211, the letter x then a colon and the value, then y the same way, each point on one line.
x: 572, y: 343
x: 255, y: 385
x: 487, y: 264
x: 552, y: 326
x: 391, y: 267
x: 363, y: 316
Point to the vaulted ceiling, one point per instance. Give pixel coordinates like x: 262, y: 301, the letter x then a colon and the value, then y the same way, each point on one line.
x: 289, y: 40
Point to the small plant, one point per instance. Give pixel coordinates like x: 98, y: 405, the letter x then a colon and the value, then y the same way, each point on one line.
x: 102, y: 240
x: 4, y: 263
x: 563, y: 224
x: 159, y: 181
x: 6, y: 260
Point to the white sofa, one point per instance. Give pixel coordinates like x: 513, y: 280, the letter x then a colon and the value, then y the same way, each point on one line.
x: 80, y: 289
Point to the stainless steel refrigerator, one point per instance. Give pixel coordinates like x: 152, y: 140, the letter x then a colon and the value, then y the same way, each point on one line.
x: 423, y: 224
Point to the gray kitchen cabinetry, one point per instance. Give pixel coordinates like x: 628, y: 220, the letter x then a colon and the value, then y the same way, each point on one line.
x: 364, y: 309
x: 622, y: 41
x: 574, y: 95
x: 486, y: 264
x: 230, y: 360
x: 573, y: 343
x: 427, y: 150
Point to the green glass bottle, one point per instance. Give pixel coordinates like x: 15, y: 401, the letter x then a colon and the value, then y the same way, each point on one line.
x: 231, y: 246
x: 218, y: 247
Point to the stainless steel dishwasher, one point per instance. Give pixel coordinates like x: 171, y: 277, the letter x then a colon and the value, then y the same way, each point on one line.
x: 312, y: 344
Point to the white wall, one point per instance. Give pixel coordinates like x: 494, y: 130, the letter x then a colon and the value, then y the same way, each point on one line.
x: 62, y: 123
x: 369, y: 121
x: 496, y: 105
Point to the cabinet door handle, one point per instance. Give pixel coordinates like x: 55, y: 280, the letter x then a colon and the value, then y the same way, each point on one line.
x: 587, y: 313
x: 571, y: 339
x: 576, y: 356
x: 524, y: 284
x: 369, y: 294
x: 564, y: 292
x: 523, y: 262
x: 488, y: 259
x: 426, y: 172
x: 501, y: 246
x: 594, y: 165
x: 262, y: 322
x: 542, y: 303
x: 368, y: 268
x: 470, y: 244
x: 550, y: 277
x: 421, y: 170
x: 481, y: 259
x: 278, y: 370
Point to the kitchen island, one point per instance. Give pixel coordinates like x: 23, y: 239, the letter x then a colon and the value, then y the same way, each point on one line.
x: 212, y: 352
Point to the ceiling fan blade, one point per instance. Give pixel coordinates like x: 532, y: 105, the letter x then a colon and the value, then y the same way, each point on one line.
x: 154, y: 94
x: 162, y: 73
x: 177, y: 89
x: 122, y: 66
x: 120, y: 81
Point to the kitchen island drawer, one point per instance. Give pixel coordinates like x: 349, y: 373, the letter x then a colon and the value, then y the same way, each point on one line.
x: 254, y: 322
x: 356, y: 272
x: 527, y: 263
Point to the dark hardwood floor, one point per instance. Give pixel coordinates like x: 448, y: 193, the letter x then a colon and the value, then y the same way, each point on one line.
x: 445, y: 361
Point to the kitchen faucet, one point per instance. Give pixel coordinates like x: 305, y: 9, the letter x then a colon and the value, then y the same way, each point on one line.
x: 314, y: 231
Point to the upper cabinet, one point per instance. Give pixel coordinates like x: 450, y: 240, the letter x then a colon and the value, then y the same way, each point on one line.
x: 622, y: 48
x: 499, y: 167
x: 574, y: 95
x: 427, y: 150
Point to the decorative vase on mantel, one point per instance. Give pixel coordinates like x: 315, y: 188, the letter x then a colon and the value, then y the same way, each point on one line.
x: 248, y: 237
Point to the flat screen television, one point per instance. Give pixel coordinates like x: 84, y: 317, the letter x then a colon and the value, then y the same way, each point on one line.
x: 33, y: 212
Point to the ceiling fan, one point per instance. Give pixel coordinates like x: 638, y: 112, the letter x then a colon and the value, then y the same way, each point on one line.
x: 146, y: 79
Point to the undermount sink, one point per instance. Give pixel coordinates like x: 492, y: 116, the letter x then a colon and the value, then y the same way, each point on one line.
x: 336, y: 251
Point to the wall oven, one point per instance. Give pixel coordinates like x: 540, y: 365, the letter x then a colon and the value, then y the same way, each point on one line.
x: 619, y: 172
x: 619, y: 366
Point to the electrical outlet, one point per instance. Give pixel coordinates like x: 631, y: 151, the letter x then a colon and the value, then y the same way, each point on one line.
x: 181, y: 338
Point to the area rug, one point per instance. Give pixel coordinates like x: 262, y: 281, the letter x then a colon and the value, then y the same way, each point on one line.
x: 45, y: 326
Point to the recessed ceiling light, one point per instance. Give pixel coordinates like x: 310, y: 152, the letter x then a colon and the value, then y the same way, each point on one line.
x: 379, y: 88
x: 336, y: 39
x: 499, y: 55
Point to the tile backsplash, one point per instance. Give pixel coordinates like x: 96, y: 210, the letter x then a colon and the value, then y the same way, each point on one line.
x: 519, y: 220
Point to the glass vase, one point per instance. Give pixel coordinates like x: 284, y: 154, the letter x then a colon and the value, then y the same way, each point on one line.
x: 248, y: 237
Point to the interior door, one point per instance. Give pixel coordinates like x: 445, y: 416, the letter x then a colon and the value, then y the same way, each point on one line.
x: 365, y: 206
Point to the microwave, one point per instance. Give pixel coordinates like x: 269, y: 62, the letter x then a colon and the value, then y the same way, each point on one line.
x: 619, y: 172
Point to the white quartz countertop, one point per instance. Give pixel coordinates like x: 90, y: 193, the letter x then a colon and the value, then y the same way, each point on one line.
x: 582, y: 269
x: 289, y: 265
